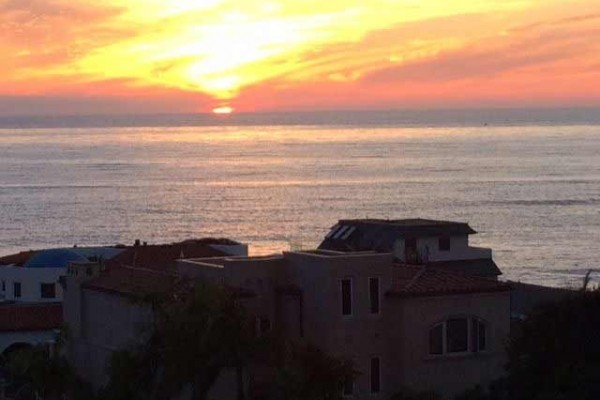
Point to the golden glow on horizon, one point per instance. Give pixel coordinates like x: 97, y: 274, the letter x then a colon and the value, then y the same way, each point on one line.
x: 224, y: 110
x: 302, y: 53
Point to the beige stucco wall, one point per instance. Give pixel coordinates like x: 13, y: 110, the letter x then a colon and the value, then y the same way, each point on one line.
x: 409, y: 356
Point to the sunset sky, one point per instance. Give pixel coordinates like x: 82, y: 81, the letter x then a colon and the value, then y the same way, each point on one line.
x: 133, y: 56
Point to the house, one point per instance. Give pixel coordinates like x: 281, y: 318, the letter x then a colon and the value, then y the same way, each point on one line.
x: 32, y: 282
x: 32, y: 277
x: 402, y: 324
x: 443, y: 244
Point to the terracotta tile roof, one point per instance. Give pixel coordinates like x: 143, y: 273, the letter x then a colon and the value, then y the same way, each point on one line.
x: 413, y: 281
x: 30, y: 317
x: 162, y: 257
x: 133, y: 282
x: 17, y: 259
x: 138, y: 282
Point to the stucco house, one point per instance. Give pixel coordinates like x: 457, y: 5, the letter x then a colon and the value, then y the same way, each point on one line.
x: 418, y: 325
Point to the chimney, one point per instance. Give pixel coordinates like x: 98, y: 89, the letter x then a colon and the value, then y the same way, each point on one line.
x: 137, y: 243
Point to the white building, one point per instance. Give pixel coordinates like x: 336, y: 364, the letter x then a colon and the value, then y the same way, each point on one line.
x: 36, y: 280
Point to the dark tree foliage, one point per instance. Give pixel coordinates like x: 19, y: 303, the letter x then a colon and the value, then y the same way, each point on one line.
x: 410, y: 394
x: 202, y: 331
x: 196, y: 334
x: 556, y: 355
x: 41, y: 372
x: 305, y: 372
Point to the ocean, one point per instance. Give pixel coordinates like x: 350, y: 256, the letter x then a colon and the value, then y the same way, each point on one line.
x: 528, y: 183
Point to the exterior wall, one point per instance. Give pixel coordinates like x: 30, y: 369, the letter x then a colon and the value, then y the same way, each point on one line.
x: 30, y: 279
x: 447, y: 374
x: 357, y: 337
x: 428, y: 248
x: 32, y: 338
x: 109, y: 323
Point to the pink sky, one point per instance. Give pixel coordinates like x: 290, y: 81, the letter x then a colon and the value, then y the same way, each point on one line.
x: 147, y: 56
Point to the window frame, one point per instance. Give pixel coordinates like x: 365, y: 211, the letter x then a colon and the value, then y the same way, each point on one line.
x: 471, y: 337
x: 17, y: 294
x: 350, y: 297
x: 375, y: 389
x: 370, y: 280
x: 47, y: 284
x: 442, y: 241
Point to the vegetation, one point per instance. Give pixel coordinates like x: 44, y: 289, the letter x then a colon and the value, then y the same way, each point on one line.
x: 554, y: 356
x: 198, y: 334
x: 409, y: 394
x: 42, y: 372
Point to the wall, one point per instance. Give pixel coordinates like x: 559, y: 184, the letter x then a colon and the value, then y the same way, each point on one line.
x: 459, y: 249
x: 30, y: 279
x: 447, y: 374
x: 357, y: 337
x: 33, y: 338
x: 109, y: 322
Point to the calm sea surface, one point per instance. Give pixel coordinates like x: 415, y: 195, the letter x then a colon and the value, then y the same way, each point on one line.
x: 532, y: 192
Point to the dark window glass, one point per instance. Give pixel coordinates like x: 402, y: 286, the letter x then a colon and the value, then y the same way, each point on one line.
x: 348, y: 386
x: 477, y: 335
x: 3, y: 286
x: 48, y: 290
x: 374, y: 295
x: 375, y: 375
x: 436, y: 339
x: 456, y: 335
x: 444, y: 243
x: 17, y: 289
x: 346, y: 296
x: 264, y: 325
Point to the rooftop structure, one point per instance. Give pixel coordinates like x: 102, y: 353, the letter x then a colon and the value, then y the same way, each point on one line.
x: 444, y: 244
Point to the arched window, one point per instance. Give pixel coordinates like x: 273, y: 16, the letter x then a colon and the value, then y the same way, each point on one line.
x: 458, y: 335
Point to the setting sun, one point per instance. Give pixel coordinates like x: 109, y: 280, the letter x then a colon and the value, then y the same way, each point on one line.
x: 222, y: 110
x: 152, y: 55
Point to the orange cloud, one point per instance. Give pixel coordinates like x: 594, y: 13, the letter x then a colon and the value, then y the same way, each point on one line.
x: 302, y: 54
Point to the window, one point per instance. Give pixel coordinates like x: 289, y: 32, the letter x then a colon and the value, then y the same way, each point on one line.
x: 17, y: 289
x: 263, y: 325
x: 348, y: 386
x: 3, y: 286
x: 374, y: 295
x: 48, y: 290
x: 346, y: 287
x: 458, y: 335
x: 477, y: 335
x: 375, y: 375
x: 444, y: 243
x: 436, y: 339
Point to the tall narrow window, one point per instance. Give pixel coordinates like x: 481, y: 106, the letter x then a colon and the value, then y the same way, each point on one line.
x: 477, y: 335
x: 436, y: 339
x: 348, y: 386
x: 375, y: 375
x: 48, y: 290
x: 3, y: 286
x: 374, y: 295
x: 346, y: 287
x: 17, y: 289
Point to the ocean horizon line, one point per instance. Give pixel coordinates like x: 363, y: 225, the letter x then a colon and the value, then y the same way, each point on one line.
x: 443, y: 117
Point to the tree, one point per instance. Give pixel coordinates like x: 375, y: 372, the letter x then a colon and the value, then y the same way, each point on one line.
x: 197, y: 333
x: 556, y: 355
x: 42, y: 372
x: 305, y: 372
